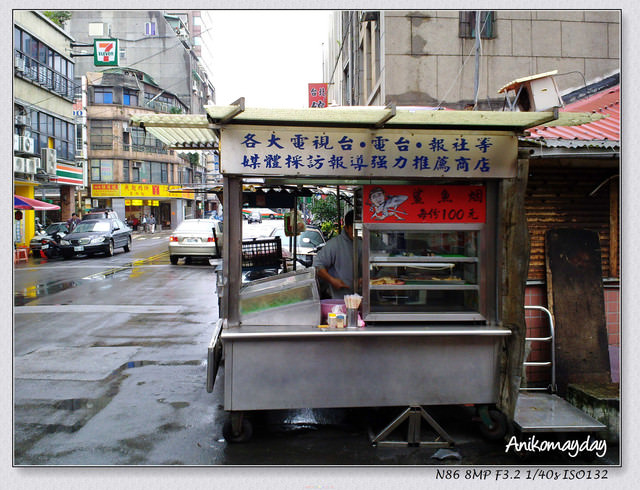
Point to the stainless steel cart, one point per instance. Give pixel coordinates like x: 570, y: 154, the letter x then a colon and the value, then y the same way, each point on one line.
x: 440, y: 340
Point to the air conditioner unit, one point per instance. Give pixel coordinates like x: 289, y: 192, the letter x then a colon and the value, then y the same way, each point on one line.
x: 30, y: 165
x: 28, y: 144
x: 19, y: 64
x: 22, y: 120
x: 135, y: 164
x: 48, y: 157
x: 17, y: 143
x: 126, y: 128
x: 18, y: 164
x: 36, y: 163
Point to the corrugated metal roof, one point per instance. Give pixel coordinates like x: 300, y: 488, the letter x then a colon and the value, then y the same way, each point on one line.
x: 190, y: 132
x: 179, y: 131
x: 604, y: 132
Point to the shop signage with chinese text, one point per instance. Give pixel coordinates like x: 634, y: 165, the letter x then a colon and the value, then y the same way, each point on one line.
x: 365, y: 153
x: 139, y: 191
x: 318, y: 95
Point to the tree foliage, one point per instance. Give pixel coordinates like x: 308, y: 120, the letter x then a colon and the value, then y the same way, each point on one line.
x: 325, y: 213
x: 58, y: 16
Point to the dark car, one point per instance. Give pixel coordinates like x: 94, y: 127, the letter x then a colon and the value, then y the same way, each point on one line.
x: 96, y: 236
x: 35, y: 244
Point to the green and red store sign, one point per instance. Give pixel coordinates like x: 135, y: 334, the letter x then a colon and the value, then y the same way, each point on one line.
x: 68, y: 174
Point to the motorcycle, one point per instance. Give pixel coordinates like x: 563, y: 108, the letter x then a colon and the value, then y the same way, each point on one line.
x: 50, y: 248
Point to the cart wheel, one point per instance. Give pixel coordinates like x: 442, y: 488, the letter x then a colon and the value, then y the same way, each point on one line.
x: 245, y: 434
x: 498, y: 428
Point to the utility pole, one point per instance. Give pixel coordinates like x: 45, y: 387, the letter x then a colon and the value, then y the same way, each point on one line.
x: 477, y: 74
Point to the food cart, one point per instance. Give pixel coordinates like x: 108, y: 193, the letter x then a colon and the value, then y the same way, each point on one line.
x: 439, y: 214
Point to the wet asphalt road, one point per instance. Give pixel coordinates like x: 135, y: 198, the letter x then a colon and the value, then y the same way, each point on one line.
x: 109, y: 369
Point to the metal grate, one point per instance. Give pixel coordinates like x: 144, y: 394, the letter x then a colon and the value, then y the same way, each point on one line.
x: 261, y: 253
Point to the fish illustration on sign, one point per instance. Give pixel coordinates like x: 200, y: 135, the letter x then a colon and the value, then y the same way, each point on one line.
x: 383, y: 206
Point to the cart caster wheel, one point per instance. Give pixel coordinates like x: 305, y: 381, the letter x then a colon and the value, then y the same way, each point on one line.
x: 498, y: 428
x: 245, y: 432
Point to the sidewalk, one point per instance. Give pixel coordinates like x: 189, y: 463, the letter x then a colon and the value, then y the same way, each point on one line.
x: 164, y: 231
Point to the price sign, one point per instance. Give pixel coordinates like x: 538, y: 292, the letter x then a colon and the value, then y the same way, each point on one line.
x: 424, y: 204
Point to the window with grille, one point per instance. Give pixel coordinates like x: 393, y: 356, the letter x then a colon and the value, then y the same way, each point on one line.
x: 101, y: 134
x: 468, y: 24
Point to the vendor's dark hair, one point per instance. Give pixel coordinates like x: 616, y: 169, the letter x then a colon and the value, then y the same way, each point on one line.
x: 348, y: 218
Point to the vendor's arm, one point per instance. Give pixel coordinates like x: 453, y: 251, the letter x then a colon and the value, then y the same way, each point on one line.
x: 335, y: 282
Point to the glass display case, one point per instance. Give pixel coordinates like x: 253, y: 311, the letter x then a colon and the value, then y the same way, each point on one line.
x: 424, y: 273
x: 284, y: 299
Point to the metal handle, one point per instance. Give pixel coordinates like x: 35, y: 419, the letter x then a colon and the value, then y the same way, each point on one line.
x: 551, y: 338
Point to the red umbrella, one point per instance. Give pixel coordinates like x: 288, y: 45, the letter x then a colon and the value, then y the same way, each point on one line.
x: 21, y: 202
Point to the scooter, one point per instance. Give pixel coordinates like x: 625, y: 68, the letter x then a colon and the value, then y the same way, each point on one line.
x: 50, y: 248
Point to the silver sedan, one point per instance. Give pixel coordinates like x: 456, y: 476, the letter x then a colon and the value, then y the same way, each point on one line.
x: 195, y: 238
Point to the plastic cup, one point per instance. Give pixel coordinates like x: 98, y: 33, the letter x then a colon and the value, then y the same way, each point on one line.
x: 352, y: 318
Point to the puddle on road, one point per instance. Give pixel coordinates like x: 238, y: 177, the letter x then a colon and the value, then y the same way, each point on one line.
x: 41, y: 289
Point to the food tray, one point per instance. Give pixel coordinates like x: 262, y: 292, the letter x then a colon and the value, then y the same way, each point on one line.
x: 417, y: 282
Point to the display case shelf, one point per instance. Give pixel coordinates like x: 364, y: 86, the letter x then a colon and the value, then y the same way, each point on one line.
x: 422, y: 273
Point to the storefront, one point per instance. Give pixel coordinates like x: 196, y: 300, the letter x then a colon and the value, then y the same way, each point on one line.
x: 169, y: 204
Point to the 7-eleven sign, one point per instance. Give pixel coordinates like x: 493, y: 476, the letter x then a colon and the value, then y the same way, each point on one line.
x: 105, y: 52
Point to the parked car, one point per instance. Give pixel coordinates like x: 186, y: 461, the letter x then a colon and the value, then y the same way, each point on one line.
x: 100, y: 213
x: 96, y: 236
x: 307, y: 244
x: 35, y: 245
x: 195, y: 238
x: 254, y: 217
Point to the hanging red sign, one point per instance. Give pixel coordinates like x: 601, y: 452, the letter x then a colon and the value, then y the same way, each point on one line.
x: 318, y: 95
x: 424, y: 204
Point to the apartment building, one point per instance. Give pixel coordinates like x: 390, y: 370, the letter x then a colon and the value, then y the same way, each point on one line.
x: 130, y: 170
x: 434, y: 58
x: 44, y: 134
x: 158, y: 70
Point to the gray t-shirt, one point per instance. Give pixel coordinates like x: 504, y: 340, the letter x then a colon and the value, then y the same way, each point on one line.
x: 337, y: 258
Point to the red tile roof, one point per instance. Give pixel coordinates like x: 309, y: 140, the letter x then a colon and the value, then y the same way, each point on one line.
x: 606, y: 102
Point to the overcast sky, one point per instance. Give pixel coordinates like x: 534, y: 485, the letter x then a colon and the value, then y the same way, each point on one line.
x: 268, y: 57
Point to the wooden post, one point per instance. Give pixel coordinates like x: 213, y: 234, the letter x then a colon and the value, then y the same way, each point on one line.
x: 614, y: 229
x: 514, y: 266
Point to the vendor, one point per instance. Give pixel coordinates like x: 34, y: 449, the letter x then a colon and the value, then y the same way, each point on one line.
x: 334, y: 262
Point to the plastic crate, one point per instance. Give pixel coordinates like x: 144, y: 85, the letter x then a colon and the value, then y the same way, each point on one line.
x: 261, y: 253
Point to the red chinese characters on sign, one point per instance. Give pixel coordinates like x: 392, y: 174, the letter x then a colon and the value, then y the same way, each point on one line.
x: 318, y: 95
x: 424, y: 204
